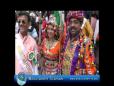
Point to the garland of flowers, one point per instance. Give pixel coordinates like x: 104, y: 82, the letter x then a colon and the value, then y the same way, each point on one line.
x: 82, y: 43
x: 75, y: 59
x: 76, y: 55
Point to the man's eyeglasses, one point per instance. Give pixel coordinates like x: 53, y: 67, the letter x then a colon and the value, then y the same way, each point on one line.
x: 23, y: 22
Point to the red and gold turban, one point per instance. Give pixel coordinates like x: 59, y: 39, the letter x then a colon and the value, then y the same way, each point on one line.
x: 75, y: 14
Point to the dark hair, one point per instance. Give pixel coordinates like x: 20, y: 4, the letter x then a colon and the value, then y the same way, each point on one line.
x: 23, y: 13
x: 95, y: 14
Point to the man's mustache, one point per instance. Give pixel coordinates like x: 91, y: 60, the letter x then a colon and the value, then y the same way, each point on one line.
x: 73, y: 28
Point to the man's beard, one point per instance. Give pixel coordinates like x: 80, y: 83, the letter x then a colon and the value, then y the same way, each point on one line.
x: 74, y: 31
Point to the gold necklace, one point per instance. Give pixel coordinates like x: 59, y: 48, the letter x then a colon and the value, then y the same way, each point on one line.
x: 49, y: 44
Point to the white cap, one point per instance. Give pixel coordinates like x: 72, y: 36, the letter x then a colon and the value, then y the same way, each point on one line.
x: 32, y: 14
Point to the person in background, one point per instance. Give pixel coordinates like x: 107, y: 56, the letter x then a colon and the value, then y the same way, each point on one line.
x: 95, y: 25
x: 32, y: 30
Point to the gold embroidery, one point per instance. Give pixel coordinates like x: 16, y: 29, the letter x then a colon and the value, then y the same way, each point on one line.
x: 68, y: 58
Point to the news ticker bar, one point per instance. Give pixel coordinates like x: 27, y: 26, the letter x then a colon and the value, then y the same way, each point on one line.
x: 58, y: 77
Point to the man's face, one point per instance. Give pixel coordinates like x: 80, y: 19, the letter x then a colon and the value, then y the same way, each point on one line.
x: 75, y: 26
x: 23, y: 23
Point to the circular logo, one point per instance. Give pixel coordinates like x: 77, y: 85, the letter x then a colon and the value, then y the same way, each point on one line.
x: 21, y: 79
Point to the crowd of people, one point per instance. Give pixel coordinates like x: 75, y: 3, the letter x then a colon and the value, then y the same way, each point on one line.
x: 57, y: 42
